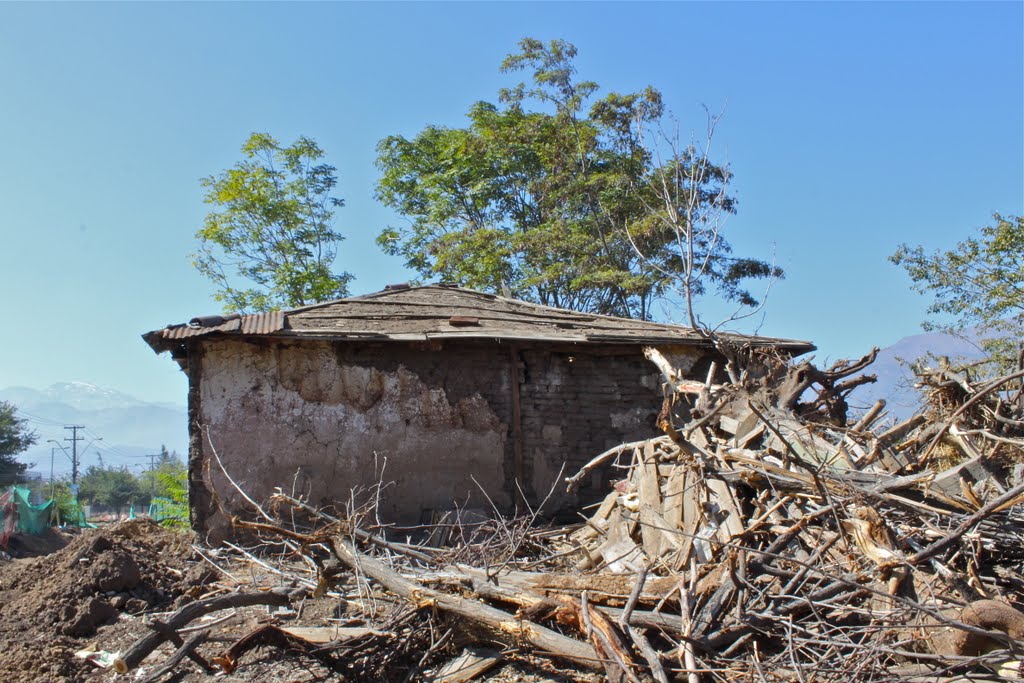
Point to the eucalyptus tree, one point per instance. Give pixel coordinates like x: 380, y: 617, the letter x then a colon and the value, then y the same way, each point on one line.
x: 559, y: 196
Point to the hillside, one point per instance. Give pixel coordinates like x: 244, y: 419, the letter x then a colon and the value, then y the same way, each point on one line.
x: 130, y: 428
x: 895, y: 381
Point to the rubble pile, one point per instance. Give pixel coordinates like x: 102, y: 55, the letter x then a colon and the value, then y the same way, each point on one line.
x: 764, y: 535
x: 51, y: 606
x: 809, y: 547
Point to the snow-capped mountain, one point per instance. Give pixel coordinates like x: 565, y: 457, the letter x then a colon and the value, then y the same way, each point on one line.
x: 130, y: 428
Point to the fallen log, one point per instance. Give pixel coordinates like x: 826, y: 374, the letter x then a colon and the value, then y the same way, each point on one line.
x: 271, y: 635
x: 501, y: 624
x: 608, y: 589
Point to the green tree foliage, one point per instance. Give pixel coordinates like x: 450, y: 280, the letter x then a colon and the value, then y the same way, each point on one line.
x: 68, y: 508
x: 272, y: 225
x: 15, y: 437
x: 979, y: 284
x: 558, y: 196
x: 173, y: 488
x: 113, y: 486
x: 169, y: 467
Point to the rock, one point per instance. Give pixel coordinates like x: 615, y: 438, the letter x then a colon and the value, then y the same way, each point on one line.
x: 136, y: 606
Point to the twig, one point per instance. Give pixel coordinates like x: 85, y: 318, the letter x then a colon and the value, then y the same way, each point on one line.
x: 503, y: 624
x: 206, y: 432
x: 608, y: 454
x: 634, y: 595
x: 149, y: 642
x: 361, y: 534
x: 989, y: 388
x: 965, y: 526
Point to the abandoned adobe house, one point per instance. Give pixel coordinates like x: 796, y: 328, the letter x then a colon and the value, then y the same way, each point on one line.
x: 449, y: 395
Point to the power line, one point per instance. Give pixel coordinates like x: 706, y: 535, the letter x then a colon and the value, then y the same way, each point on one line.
x: 109, y: 447
x: 40, y: 420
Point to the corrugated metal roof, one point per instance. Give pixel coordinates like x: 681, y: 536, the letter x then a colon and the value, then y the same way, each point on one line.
x: 443, y: 312
x: 185, y: 331
x: 263, y: 323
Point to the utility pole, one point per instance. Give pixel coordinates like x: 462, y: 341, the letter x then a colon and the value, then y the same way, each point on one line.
x: 152, y: 475
x: 75, y: 438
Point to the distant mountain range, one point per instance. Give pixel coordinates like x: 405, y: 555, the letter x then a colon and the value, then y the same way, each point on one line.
x: 130, y: 428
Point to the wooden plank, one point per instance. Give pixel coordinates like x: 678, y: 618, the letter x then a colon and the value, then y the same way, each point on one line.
x: 649, y: 492
x: 622, y: 555
x: 728, y: 425
x: 972, y: 471
x: 514, y: 365
x: 672, y: 505
x: 750, y: 435
x: 607, y: 505
x: 328, y: 634
x: 748, y: 427
x: 472, y: 663
x: 618, y: 551
x: 669, y: 538
x: 720, y: 492
x: 807, y: 445
x: 691, y: 514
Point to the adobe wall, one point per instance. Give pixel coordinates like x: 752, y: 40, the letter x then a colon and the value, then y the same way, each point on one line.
x: 434, y: 422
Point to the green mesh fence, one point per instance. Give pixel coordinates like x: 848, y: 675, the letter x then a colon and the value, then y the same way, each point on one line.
x: 32, y: 519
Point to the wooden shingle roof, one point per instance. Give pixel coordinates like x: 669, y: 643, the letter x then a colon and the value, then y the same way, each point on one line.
x: 438, y: 312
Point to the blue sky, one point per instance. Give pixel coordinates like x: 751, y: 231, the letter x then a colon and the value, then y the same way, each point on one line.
x: 850, y: 128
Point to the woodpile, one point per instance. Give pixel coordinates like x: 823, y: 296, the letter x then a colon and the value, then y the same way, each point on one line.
x: 806, y: 545
x: 763, y: 536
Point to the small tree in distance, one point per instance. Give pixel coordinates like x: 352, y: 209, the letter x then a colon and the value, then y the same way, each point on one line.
x: 979, y: 283
x: 112, y: 486
x: 169, y: 466
x: 15, y: 437
x: 273, y: 227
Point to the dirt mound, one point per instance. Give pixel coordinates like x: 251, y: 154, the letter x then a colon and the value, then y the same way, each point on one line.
x: 29, y: 545
x: 47, y: 603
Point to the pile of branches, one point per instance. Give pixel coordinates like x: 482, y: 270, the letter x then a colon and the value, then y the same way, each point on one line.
x: 808, y: 547
x: 975, y: 417
x: 762, y: 536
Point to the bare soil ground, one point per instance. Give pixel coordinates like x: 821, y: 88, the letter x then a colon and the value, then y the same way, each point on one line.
x: 56, y: 604
x: 62, y: 594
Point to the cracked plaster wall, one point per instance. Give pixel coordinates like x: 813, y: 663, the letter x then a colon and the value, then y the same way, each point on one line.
x: 328, y: 416
x: 329, y: 421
